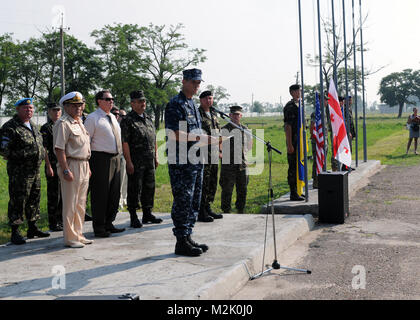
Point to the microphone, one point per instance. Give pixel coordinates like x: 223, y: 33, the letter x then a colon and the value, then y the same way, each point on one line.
x: 222, y: 114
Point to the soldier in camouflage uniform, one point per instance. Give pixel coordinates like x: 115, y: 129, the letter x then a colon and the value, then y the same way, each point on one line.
x: 183, y: 130
x: 234, y: 170
x: 313, y: 142
x: 210, y: 125
x: 291, y: 116
x: 54, y: 201
x: 140, y: 152
x: 21, y: 145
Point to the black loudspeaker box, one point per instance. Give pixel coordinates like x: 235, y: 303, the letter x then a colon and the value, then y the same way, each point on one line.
x: 333, y: 197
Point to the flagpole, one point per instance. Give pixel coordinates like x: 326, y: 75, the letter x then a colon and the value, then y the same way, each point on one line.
x: 355, y: 87
x: 363, y: 86
x: 334, y: 43
x: 321, y: 84
x: 303, y: 105
x: 335, y: 77
x: 346, y: 100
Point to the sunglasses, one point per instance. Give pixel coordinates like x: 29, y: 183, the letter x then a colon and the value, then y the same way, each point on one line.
x: 108, y: 99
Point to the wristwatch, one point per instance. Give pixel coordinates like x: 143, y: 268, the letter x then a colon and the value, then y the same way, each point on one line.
x: 66, y: 172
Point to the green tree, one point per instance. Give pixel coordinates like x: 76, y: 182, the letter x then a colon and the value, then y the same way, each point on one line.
x: 219, y: 93
x: 48, y: 46
x: 83, y: 66
x: 257, y: 107
x: 121, y: 52
x: 7, y: 52
x: 27, y: 72
x: 396, y: 89
x: 310, y: 95
x: 166, y: 55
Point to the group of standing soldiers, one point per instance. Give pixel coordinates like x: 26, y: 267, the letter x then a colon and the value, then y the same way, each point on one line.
x: 79, y: 156
x: 83, y: 154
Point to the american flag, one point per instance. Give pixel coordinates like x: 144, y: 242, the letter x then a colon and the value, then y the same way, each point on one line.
x: 319, y: 137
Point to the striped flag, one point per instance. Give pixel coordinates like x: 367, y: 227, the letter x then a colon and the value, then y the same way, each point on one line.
x: 300, y: 153
x: 318, y: 134
x: 342, y: 151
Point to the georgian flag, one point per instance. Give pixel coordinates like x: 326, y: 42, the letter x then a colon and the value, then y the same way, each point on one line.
x: 341, y: 144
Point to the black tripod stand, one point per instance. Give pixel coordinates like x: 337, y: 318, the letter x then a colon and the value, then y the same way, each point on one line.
x: 275, y: 265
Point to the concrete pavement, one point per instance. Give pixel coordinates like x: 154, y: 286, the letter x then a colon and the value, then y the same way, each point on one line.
x: 142, y: 261
x: 357, y: 180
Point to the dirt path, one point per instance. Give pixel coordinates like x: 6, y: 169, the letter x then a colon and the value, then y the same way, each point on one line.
x: 381, y: 240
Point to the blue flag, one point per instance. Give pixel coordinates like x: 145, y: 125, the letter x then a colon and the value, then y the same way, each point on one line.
x: 300, y: 153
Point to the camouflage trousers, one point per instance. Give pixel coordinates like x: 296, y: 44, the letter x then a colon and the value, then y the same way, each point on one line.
x: 230, y: 176
x: 54, y: 201
x: 291, y: 172
x: 209, y: 184
x: 186, y: 182
x: 24, y: 194
x: 141, y: 188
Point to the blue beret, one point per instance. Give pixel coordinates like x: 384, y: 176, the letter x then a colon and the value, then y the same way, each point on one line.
x: 192, y: 74
x: 24, y: 102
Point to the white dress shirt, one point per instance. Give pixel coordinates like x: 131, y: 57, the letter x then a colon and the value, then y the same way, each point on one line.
x: 102, y: 137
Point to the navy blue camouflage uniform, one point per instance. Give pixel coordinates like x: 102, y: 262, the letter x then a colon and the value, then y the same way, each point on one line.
x: 185, y: 176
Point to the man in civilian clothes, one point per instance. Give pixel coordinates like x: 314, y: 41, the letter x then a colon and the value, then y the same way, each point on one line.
x: 105, y: 164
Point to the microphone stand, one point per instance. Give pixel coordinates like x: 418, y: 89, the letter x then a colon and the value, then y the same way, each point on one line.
x: 275, y: 265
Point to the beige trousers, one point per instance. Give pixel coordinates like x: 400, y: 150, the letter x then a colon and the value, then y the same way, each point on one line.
x: 74, y: 195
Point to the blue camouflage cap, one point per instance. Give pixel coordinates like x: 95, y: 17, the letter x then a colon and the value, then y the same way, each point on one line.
x: 24, y: 102
x: 192, y: 74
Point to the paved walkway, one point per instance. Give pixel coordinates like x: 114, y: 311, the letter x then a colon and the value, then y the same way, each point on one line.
x: 141, y: 261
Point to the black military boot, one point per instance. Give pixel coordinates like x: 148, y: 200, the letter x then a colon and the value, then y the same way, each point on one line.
x: 294, y: 196
x: 203, y: 216
x: 88, y: 217
x: 213, y: 214
x: 184, y: 248
x: 16, y: 237
x: 56, y: 228
x: 134, y: 221
x: 149, y: 217
x: 33, y: 231
x: 202, y: 246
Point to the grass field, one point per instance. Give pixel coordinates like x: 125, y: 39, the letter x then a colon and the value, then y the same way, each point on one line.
x: 386, y: 141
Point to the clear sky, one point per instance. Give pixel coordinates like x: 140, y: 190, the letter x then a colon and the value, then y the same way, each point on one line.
x: 252, y: 46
